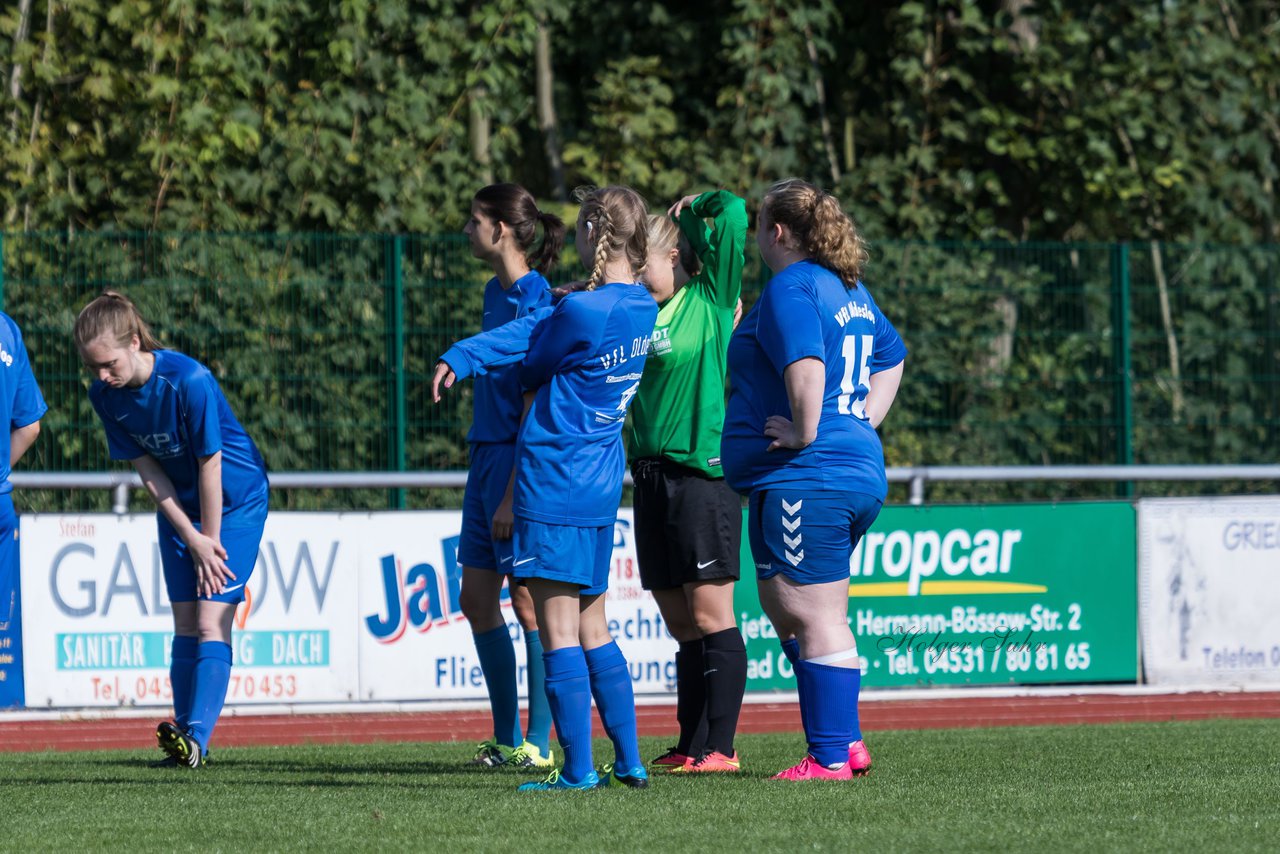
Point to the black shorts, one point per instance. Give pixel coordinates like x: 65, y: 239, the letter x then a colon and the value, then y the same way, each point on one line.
x: 688, y: 527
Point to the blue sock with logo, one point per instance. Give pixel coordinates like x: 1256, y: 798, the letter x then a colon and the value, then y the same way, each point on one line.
x: 569, y: 696
x: 611, y: 687
x: 212, y: 673
x: 538, y: 732
x: 828, y: 696
x: 182, y: 674
x: 498, y: 663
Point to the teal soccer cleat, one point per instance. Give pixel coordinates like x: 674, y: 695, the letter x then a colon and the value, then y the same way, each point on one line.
x: 555, y: 782
x: 636, y: 778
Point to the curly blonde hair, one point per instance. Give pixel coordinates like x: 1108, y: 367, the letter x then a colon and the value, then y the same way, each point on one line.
x: 825, y: 232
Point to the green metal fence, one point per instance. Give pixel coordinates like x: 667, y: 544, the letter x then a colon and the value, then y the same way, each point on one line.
x: 1020, y: 354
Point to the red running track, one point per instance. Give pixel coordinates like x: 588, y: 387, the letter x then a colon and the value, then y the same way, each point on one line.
x: 473, y: 726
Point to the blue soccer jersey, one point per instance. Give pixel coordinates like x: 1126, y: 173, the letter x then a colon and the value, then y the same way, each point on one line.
x: 498, y: 398
x: 584, y: 362
x: 20, y: 400
x: 178, y: 416
x: 807, y: 312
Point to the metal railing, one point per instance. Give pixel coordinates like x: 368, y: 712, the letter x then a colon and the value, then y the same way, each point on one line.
x: 120, y: 483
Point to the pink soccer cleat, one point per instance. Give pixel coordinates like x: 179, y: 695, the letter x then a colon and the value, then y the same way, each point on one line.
x: 672, y: 759
x: 809, y: 769
x: 859, y: 759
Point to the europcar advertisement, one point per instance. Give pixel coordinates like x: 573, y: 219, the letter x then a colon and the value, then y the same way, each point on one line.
x: 1209, y: 582
x: 340, y: 606
x: 980, y: 595
x: 97, y: 624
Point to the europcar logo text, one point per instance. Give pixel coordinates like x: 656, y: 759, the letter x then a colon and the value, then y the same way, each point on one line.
x: 964, y: 558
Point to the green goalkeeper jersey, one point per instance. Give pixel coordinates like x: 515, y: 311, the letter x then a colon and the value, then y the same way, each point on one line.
x: 678, y: 412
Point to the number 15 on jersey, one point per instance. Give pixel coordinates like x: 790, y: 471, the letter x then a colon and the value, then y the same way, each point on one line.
x: 856, y: 350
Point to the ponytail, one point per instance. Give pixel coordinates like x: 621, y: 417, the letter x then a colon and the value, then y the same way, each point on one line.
x: 515, y: 206
x: 545, y: 256
x: 825, y: 232
x: 113, y: 314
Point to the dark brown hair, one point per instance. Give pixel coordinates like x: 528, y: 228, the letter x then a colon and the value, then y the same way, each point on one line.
x: 514, y: 205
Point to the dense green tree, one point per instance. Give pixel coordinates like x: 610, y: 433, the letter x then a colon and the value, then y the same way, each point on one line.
x: 295, y: 137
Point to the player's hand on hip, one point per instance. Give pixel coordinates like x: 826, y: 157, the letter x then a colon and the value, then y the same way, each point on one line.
x: 674, y: 210
x: 504, y: 521
x: 783, y: 433
x: 443, y: 375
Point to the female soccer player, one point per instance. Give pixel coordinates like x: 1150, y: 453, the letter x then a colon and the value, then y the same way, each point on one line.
x: 813, y: 370
x: 582, y: 362
x: 688, y: 521
x: 164, y: 412
x: 502, y: 230
x: 21, y: 407
x: 583, y: 368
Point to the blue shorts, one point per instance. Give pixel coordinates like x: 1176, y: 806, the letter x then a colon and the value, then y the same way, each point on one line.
x: 807, y: 534
x: 8, y: 556
x: 241, y: 542
x: 491, y: 465
x: 564, y: 553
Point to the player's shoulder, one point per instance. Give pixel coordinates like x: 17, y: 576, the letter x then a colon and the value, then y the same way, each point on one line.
x: 180, y: 369
x: 631, y: 299
x: 9, y: 328
x: 587, y: 303
x: 97, y: 392
x: 532, y: 282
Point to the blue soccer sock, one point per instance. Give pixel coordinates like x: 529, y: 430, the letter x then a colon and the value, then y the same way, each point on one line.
x: 569, y: 696
x: 212, y: 672
x: 498, y: 663
x: 791, y: 649
x: 538, y: 732
x: 829, y: 703
x: 611, y: 687
x: 857, y: 690
x: 182, y: 674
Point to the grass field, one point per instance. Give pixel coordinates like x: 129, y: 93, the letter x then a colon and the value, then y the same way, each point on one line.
x: 1173, y: 786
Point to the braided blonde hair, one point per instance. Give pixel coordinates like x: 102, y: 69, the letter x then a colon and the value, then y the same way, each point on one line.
x: 616, y: 220
x: 824, y: 230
